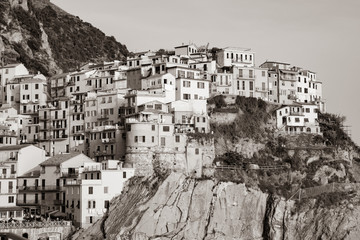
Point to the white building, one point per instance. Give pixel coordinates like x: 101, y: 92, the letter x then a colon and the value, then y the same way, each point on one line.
x: 89, y: 196
x: 298, y: 118
x: 15, y: 161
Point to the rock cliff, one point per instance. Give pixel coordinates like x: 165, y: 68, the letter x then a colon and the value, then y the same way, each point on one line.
x: 47, y: 39
x: 186, y: 208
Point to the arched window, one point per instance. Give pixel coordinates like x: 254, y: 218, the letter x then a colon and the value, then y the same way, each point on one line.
x: 308, y: 130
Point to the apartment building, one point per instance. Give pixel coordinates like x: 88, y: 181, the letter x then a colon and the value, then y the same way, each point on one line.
x: 233, y: 56
x: 89, y: 195
x: 186, y: 50
x: 54, y: 127
x: 298, y: 118
x: 106, y: 142
x: 15, y: 161
x: 9, y: 71
x: 53, y: 175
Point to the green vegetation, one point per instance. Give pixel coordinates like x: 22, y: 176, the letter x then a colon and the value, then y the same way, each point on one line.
x: 333, y: 134
x: 248, y: 124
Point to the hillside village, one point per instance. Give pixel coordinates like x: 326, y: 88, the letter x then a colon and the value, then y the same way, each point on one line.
x: 68, y: 143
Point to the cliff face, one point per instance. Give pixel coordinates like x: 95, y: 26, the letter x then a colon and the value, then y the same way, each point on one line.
x: 186, y: 208
x: 47, y: 39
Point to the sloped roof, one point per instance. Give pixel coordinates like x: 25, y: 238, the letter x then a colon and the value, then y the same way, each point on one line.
x: 15, y: 147
x: 32, y: 173
x: 59, y: 158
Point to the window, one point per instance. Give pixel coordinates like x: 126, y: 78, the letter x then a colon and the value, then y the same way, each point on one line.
x: 166, y: 128
x: 243, y: 85
x: 94, y: 204
x: 197, y: 151
x: 152, y: 139
x: 124, y: 174
x: 158, y: 107
x: 251, y: 73
x: 36, y: 96
x: 162, y: 141
x: 90, y: 219
x: 186, y: 84
x: 306, y: 120
x: 36, y: 86
x: 106, y: 204
x: 177, y: 138
x: 297, y: 119
x: 263, y: 73
x: 11, y: 199
x: 136, y: 139
x: 26, y: 87
x: 91, y: 190
x: 200, y: 85
x: 251, y: 86
x: 153, y: 127
x: 307, y: 110
x: 186, y: 96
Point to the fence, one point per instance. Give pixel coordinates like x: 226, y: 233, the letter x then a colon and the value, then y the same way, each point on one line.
x: 328, y: 188
x: 13, y: 225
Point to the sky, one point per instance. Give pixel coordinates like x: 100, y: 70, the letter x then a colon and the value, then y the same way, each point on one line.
x: 322, y: 35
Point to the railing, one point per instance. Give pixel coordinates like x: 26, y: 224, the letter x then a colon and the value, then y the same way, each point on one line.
x: 40, y: 188
x: 20, y: 225
x: 58, y: 202
x: 8, y: 176
x: 92, y: 168
x: 27, y: 202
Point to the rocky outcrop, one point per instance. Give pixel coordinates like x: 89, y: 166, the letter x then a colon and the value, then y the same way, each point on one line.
x: 47, y: 39
x: 186, y: 208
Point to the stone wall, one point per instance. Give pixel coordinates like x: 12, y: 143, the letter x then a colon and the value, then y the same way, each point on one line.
x: 197, y: 153
x: 54, y: 232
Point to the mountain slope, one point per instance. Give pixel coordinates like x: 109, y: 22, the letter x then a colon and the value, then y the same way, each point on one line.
x: 47, y: 39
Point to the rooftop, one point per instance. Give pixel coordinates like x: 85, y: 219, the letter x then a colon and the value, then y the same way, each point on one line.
x: 32, y: 173
x: 59, y: 158
x: 15, y: 147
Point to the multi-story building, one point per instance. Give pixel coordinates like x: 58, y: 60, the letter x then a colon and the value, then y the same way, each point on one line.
x: 186, y: 50
x: 298, y: 118
x: 54, y: 127
x: 89, y: 195
x: 239, y: 57
x: 53, y: 175
x: 106, y: 142
x: 15, y: 161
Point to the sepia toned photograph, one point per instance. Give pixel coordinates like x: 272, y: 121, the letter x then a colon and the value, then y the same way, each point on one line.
x: 179, y: 120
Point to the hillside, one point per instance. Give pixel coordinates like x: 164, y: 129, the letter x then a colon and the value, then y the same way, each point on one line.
x: 47, y: 39
x: 302, y: 188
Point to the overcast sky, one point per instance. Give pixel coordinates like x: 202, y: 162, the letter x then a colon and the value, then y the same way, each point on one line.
x: 322, y: 35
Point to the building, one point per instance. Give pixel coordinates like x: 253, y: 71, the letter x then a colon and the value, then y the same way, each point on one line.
x: 298, y: 118
x: 53, y: 175
x: 89, y: 195
x: 15, y: 161
x: 233, y: 56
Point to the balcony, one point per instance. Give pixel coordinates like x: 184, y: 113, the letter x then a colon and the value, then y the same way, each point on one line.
x: 103, y: 117
x: 108, y: 140
x: 73, y: 182
x: 261, y: 89
x: 103, y: 153
x: 32, y: 202
x: 40, y: 188
x: 69, y: 175
x: 7, y: 176
x: 58, y: 202
x: 244, y: 77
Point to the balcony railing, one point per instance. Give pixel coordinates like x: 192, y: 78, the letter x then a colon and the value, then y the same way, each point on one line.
x: 58, y: 202
x: 7, y: 175
x: 21, y: 202
x: 40, y: 188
